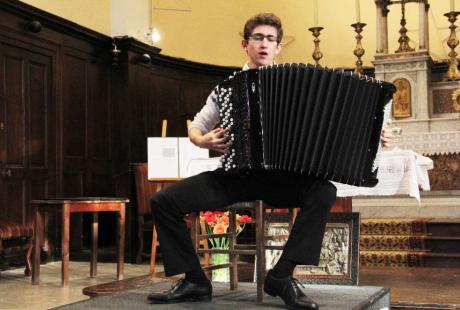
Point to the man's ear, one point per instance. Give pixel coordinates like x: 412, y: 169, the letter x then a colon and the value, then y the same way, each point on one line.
x: 244, y: 44
x: 278, y: 48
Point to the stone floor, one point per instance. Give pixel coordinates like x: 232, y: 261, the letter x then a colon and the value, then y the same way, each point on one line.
x: 411, y: 288
x: 16, y: 292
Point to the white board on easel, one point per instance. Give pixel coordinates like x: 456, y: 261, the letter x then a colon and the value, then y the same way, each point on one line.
x: 163, y: 158
x: 188, y: 152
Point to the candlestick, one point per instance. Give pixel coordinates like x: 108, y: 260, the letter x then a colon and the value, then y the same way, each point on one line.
x: 317, y: 55
x: 453, y: 73
x: 358, y: 12
x: 404, y: 39
x: 359, y: 50
x: 315, y: 11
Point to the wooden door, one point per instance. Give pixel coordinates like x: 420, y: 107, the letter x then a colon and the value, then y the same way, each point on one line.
x: 27, y: 129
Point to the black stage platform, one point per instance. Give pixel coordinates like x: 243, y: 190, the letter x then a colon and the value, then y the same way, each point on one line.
x: 328, y: 297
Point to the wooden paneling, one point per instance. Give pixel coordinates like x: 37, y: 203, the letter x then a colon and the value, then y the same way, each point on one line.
x: 55, y: 111
x: 99, y: 112
x: 74, y: 99
x: 71, y: 122
x: 14, y: 105
x: 26, y: 114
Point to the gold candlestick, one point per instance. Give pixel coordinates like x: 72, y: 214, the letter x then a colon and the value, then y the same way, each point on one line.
x: 404, y: 46
x: 359, y: 50
x: 452, y: 74
x: 317, y: 55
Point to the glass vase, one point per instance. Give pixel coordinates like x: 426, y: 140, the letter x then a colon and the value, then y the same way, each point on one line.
x: 221, y: 274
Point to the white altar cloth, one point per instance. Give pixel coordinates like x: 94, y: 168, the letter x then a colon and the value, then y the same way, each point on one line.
x: 400, y: 172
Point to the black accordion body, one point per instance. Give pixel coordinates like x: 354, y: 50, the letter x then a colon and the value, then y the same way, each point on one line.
x: 304, y: 119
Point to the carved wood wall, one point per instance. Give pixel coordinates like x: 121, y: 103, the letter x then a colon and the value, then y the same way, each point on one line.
x: 71, y: 122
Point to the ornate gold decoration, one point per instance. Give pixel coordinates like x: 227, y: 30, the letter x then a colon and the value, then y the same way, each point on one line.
x: 446, y: 172
x: 452, y: 74
x: 359, y: 50
x: 456, y: 99
x: 404, y: 38
x: 445, y: 100
x: 317, y: 55
x: 402, y: 98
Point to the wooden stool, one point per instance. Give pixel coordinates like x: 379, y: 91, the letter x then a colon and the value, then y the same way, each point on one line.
x: 81, y: 204
x: 261, y: 218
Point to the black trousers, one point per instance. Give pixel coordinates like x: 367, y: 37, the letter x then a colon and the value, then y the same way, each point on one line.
x: 215, y: 190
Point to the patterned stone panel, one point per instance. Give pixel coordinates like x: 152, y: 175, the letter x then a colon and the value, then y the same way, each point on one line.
x: 442, y: 101
x: 446, y: 172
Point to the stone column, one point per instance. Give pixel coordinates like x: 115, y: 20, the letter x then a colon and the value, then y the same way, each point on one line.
x: 427, y: 30
x: 423, y: 25
x: 379, y: 49
x: 384, y: 29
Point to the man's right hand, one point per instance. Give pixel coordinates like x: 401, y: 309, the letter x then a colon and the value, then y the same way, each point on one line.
x: 216, y: 140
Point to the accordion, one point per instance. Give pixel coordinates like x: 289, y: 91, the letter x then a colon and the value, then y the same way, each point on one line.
x: 304, y: 119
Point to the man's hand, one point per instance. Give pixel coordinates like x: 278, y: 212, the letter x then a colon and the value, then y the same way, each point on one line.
x: 386, y: 136
x: 216, y: 140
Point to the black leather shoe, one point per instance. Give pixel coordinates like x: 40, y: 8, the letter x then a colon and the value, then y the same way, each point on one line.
x: 182, y: 291
x: 290, y: 291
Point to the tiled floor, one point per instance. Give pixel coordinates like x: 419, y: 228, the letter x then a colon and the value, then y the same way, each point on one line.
x: 16, y: 292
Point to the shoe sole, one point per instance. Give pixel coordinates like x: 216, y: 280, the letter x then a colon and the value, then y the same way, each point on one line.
x: 176, y: 301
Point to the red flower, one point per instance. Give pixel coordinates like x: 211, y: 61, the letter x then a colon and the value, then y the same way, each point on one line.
x: 210, y: 218
x: 245, y: 219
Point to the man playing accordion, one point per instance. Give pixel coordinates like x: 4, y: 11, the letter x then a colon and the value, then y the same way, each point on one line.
x: 214, y: 190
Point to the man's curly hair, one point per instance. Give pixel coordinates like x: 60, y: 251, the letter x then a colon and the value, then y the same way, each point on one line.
x: 269, y: 19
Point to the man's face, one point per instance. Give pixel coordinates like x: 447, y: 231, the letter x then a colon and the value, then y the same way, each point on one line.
x: 262, y: 52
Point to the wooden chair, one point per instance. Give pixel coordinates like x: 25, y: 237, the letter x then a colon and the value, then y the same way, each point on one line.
x: 145, y: 189
x: 17, y: 237
x: 261, y: 216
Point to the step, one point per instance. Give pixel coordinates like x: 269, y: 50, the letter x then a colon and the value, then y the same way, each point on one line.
x: 445, y: 260
x: 392, y: 243
x: 411, y: 226
x: 436, y: 244
x: 434, y: 204
x: 442, y: 244
x: 245, y: 297
x: 391, y: 258
x: 409, y: 259
x: 394, y: 226
x: 444, y: 227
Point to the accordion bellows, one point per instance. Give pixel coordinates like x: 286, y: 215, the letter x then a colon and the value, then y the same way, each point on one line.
x: 304, y: 119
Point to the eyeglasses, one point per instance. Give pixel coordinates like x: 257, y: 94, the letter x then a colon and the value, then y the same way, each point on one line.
x: 258, y: 37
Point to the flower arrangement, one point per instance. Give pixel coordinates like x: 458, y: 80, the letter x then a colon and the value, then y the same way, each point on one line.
x: 217, y: 223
